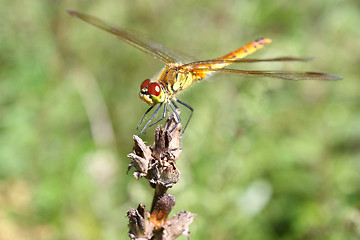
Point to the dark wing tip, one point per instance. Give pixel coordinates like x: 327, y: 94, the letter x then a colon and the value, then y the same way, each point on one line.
x: 320, y: 76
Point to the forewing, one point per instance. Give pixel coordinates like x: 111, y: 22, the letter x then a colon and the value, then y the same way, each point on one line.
x: 146, y: 45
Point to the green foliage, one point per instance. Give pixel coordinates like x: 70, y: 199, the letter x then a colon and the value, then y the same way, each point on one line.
x: 262, y: 158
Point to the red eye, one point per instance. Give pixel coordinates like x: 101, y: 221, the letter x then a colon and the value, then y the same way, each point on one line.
x: 145, y: 83
x: 154, y: 89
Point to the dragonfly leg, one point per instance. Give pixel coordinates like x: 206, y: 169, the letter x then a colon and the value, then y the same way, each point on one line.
x: 176, y: 114
x: 192, y: 111
x: 152, y: 117
x: 142, y: 119
x: 173, y: 102
x: 162, y: 117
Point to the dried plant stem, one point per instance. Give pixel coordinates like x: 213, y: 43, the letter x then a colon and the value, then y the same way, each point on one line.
x: 157, y: 165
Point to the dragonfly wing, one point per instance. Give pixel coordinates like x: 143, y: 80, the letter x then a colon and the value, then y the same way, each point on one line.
x: 287, y: 75
x: 146, y: 45
x: 209, y: 63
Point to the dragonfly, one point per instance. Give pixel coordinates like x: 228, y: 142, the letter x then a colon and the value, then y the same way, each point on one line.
x: 162, y: 90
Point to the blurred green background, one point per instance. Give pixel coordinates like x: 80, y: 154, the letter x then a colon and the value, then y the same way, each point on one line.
x: 262, y: 158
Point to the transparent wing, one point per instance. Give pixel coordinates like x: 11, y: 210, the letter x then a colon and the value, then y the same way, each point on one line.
x: 209, y: 63
x: 287, y: 75
x: 146, y: 45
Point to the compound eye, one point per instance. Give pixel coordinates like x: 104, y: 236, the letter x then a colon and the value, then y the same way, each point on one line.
x: 154, y: 89
x: 145, y: 83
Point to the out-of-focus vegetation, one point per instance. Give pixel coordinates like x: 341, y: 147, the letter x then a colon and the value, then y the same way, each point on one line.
x: 262, y: 158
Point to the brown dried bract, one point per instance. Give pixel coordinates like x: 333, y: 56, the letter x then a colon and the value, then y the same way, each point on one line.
x: 142, y: 228
x: 157, y: 163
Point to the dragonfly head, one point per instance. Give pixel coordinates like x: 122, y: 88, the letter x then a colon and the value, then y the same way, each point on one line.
x: 151, y: 92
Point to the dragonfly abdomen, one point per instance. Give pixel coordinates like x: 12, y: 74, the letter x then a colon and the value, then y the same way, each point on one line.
x: 247, y: 49
x: 204, y: 68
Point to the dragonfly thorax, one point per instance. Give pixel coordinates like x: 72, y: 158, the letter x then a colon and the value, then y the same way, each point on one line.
x: 151, y: 92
